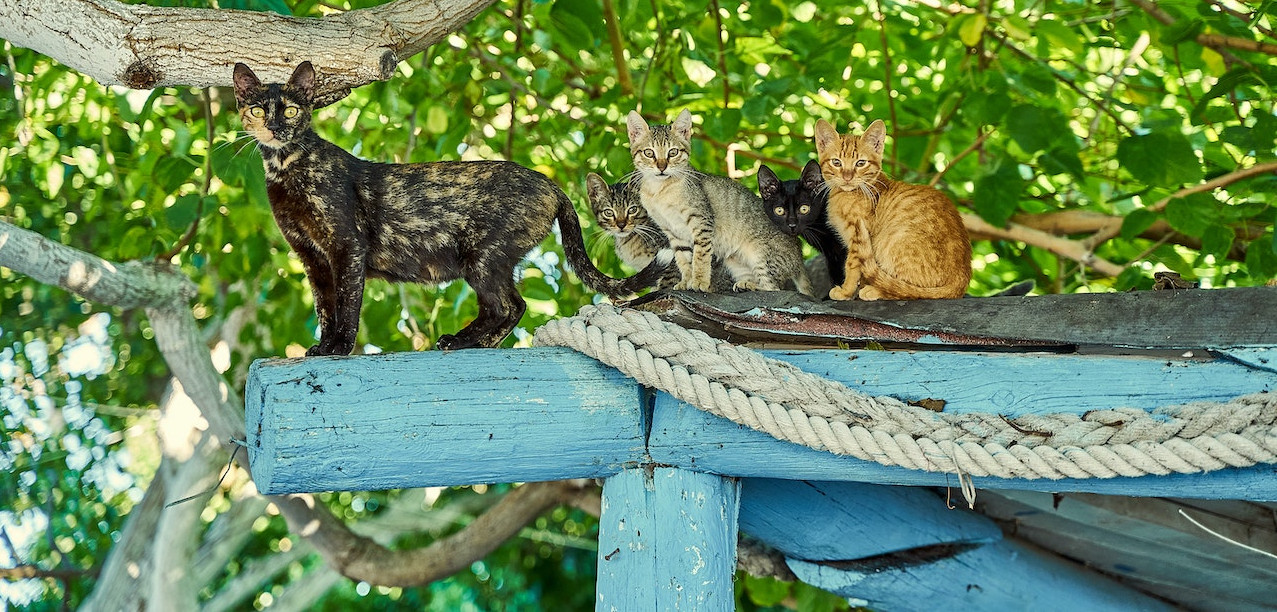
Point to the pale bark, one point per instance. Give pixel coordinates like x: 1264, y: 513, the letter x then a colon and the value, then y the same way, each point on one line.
x: 144, y: 47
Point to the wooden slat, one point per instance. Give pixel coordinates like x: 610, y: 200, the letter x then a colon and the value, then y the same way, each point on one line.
x: 1004, y: 575
x: 667, y: 541
x: 830, y: 521
x: 424, y: 419
x: 1191, y: 319
x: 1138, y: 541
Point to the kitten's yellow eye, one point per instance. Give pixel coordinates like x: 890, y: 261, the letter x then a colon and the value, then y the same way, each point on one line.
x: 649, y: 153
x: 778, y: 211
x: 804, y: 209
x: 290, y: 111
x: 257, y: 111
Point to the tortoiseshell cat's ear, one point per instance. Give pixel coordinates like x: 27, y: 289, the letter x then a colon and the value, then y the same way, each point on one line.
x: 812, y: 179
x: 826, y: 137
x: 768, y: 183
x: 303, y: 80
x: 245, y: 81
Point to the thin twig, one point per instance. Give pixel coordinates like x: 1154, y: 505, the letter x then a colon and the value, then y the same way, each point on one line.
x: 888, y: 68
x: 722, y: 54
x: 965, y: 152
x: 618, y: 48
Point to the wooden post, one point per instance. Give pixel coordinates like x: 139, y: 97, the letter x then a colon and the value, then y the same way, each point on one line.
x: 667, y: 541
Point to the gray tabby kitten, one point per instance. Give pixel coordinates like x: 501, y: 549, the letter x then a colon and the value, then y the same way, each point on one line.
x: 637, y: 238
x: 707, y: 217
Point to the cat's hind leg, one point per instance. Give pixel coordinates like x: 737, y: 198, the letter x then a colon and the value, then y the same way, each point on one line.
x: 500, y: 308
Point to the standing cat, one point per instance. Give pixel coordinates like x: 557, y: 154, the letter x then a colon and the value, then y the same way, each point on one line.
x: 348, y: 219
x: 907, y: 241
x: 707, y: 216
x: 798, y: 208
x: 637, y: 238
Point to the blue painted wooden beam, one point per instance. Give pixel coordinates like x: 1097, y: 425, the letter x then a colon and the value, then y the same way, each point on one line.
x: 667, y: 541
x: 851, y: 520
x: 423, y: 419
x: 1004, y: 575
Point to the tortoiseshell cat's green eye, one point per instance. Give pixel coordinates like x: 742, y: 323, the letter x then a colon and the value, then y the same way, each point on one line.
x: 290, y: 111
x: 257, y: 111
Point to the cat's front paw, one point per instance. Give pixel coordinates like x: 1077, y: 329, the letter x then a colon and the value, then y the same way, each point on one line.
x: 744, y: 286
x: 869, y: 293
x: 448, y: 342
x: 840, y: 293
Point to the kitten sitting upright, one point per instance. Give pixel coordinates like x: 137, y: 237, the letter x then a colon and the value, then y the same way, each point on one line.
x: 798, y: 208
x: 907, y: 241
x: 707, y: 216
x: 637, y: 238
x: 348, y: 219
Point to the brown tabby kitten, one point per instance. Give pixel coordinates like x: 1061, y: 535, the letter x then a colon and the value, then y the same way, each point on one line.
x: 636, y: 237
x: 906, y: 241
x: 349, y: 219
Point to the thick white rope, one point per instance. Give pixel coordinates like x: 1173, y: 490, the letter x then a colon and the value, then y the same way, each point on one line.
x: 772, y: 396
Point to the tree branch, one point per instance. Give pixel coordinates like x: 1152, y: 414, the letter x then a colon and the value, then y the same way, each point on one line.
x: 360, y: 558
x: 1064, y: 247
x: 618, y: 48
x: 144, y: 47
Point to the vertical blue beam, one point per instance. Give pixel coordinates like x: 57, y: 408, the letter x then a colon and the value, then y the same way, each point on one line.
x: 667, y: 541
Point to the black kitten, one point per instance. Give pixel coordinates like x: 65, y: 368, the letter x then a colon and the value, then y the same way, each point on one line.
x: 797, y: 207
x: 349, y: 219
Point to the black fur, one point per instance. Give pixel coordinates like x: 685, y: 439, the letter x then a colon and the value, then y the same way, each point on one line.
x: 350, y: 219
x: 813, y: 225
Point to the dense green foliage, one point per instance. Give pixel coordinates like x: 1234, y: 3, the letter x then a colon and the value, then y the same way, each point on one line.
x: 1063, y: 117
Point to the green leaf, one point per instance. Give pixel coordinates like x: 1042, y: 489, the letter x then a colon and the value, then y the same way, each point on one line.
x: 1182, y: 30
x: 1060, y: 35
x: 1131, y: 278
x: 1161, y: 159
x: 1261, y: 263
x: 1037, y: 128
x: 172, y: 172
x: 1062, y: 158
x: 971, y: 30
x: 183, y: 212
x: 577, y: 21
x: 1192, y: 215
x: 1137, y: 221
x: 997, y: 194
x: 1217, y: 240
x: 766, y: 591
x: 723, y: 125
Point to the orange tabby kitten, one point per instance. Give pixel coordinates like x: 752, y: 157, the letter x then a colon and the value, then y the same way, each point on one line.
x: 906, y: 241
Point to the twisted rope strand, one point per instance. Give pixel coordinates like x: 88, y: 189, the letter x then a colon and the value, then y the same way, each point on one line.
x: 789, y: 404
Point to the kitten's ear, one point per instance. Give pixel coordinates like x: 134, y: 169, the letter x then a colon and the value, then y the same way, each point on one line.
x: 875, y: 137
x: 812, y: 179
x: 826, y: 137
x: 596, y: 188
x: 636, y: 125
x: 683, y: 125
x: 245, y: 81
x: 768, y: 184
x: 303, y: 79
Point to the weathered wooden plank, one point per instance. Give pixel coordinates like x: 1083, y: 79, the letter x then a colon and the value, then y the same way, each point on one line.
x: 1191, y: 319
x: 667, y: 541
x: 686, y: 436
x: 1005, y: 575
x: 850, y: 520
x: 1016, y: 384
x: 422, y: 419
x: 1144, y: 541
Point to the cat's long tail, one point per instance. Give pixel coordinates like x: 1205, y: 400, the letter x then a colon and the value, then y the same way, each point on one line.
x: 888, y: 284
x: 574, y: 248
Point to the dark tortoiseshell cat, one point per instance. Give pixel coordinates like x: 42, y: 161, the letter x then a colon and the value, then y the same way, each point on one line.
x: 797, y: 207
x: 350, y: 219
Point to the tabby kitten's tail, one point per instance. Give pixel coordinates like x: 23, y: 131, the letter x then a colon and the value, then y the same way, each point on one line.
x: 890, y: 285
x: 574, y: 248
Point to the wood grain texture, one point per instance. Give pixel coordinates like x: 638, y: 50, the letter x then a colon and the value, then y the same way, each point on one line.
x: 829, y: 521
x: 667, y: 541
x: 1146, y: 543
x: 1179, y: 320
x: 422, y: 419
x: 1004, y: 575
